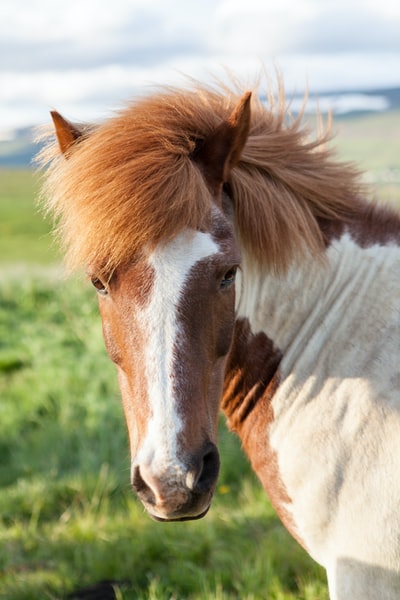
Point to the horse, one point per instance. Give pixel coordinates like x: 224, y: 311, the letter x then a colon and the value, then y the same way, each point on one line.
x: 239, y: 265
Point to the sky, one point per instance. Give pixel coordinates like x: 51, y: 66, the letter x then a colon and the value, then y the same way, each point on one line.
x: 87, y: 57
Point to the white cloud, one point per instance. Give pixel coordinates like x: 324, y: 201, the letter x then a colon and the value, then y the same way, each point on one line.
x: 85, y: 56
x: 258, y: 28
x: 386, y: 9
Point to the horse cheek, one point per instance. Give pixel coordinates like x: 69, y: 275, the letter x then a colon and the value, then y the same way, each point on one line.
x: 121, y: 339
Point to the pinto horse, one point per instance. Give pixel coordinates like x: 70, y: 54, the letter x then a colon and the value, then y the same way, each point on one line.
x: 238, y: 265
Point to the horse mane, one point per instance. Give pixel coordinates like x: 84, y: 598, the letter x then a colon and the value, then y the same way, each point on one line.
x: 131, y: 181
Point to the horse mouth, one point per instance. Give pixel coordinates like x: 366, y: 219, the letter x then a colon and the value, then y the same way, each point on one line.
x: 177, y: 519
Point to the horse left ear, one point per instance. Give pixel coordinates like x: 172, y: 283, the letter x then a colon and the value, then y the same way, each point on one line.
x: 221, y: 151
x: 67, y: 133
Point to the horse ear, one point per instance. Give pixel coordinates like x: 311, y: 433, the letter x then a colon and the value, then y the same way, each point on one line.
x: 67, y: 133
x: 221, y: 151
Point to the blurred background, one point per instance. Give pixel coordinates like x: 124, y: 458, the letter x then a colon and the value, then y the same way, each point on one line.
x: 69, y: 523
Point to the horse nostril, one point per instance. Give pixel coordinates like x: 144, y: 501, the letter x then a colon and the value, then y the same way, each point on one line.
x: 209, y: 470
x: 141, y: 487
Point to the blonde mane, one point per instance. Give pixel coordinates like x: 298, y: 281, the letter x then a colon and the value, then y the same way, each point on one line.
x: 131, y: 182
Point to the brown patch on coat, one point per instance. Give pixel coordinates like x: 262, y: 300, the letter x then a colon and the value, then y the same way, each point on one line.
x: 251, y: 380
x: 137, y: 279
x: 206, y: 321
x: 129, y: 290
x: 375, y: 224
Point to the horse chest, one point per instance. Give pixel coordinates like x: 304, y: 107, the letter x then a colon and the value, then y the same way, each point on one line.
x: 325, y: 468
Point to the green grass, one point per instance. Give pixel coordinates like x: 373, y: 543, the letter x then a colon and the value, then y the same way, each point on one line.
x: 373, y: 141
x: 24, y: 233
x: 68, y: 518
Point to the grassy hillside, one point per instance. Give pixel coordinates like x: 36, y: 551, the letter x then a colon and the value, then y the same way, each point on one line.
x: 24, y: 233
x: 373, y: 142
x: 68, y: 519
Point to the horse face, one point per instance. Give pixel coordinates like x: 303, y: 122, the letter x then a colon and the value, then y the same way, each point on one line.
x: 168, y: 321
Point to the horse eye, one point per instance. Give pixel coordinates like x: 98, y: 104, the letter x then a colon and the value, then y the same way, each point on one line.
x: 99, y: 285
x: 228, y: 278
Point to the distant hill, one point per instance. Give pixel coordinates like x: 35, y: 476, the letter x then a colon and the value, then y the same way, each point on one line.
x: 19, y: 149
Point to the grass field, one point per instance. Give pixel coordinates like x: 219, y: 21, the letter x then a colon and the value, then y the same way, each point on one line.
x: 24, y: 233
x: 68, y: 519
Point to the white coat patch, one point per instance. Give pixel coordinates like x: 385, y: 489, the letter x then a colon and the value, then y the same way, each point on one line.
x: 336, y: 427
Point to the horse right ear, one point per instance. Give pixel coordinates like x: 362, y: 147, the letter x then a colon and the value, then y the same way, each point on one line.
x: 67, y: 133
x: 220, y: 152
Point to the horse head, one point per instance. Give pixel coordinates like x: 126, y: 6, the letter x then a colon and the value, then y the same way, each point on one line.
x: 168, y: 316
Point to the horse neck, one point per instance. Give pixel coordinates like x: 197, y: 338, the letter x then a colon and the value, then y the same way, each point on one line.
x: 265, y: 328
x: 317, y: 308
x: 285, y: 322
x: 279, y: 304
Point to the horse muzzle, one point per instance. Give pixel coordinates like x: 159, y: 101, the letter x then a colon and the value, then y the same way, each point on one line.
x: 176, y: 492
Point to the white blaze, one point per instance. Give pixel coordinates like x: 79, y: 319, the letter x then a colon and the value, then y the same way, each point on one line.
x: 172, y: 264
